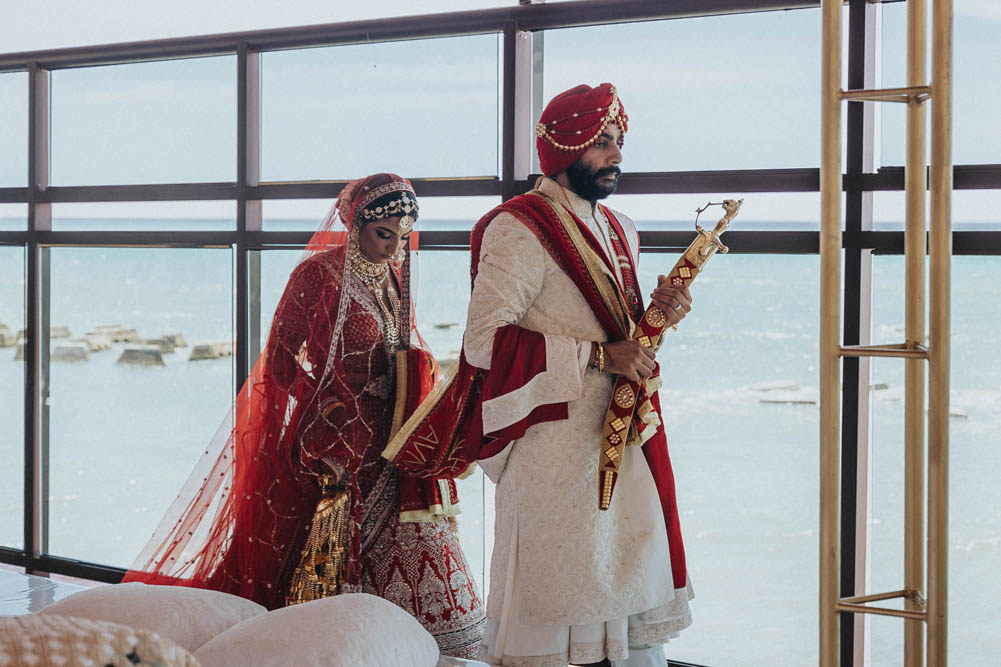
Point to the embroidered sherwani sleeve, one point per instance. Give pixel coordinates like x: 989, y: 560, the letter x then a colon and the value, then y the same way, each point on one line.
x: 512, y: 271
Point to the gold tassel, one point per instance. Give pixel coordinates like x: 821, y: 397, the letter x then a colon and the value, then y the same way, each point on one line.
x: 321, y: 568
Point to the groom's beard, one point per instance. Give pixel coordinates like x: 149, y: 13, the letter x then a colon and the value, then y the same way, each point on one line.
x: 585, y: 180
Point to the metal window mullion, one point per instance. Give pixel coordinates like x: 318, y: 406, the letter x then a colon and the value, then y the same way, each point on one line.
x: 248, y: 212
x: 36, y: 341
x: 524, y: 112
x: 857, y: 330
x: 740, y: 241
x: 802, y: 179
x: 538, y: 85
x: 852, y: 392
x: 509, y: 113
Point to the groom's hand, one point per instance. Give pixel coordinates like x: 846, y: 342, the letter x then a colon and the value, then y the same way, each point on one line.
x: 675, y: 301
x: 629, y: 358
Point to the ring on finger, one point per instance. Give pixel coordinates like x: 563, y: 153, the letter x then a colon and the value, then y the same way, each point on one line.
x: 677, y: 306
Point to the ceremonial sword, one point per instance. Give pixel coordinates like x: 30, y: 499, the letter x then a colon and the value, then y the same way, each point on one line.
x: 619, y: 428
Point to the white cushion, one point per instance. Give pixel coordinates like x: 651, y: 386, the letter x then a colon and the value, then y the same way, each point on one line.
x: 348, y: 630
x: 35, y: 640
x: 187, y: 616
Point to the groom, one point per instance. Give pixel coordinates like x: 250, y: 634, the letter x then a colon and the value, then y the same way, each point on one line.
x: 555, y: 297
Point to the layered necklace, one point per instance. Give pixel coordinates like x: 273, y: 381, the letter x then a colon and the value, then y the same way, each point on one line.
x: 375, y: 276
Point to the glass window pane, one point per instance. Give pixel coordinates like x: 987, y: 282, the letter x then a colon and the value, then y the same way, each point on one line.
x: 761, y: 211
x: 453, y: 213
x: 288, y: 215
x: 156, y: 122
x: 974, y: 461
x: 743, y: 433
x: 13, y: 129
x: 707, y: 93
x: 442, y: 299
x: 145, y: 216
x: 419, y: 108
x: 972, y: 210
x: 976, y: 70
x: 276, y: 267
x: 13, y: 217
x: 81, y: 25
x: 11, y: 397
x: 437, y: 213
x: 125, y: 436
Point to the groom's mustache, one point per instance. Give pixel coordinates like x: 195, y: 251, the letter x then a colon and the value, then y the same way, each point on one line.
x: 608, y: 171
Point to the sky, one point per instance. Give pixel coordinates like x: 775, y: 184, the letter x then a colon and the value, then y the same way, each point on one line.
x: 736, y: 92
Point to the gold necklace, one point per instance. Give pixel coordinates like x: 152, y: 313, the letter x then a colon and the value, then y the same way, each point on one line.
x: 375, y: 276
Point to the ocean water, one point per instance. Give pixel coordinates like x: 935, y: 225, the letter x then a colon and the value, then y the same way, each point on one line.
x: 123, y: 438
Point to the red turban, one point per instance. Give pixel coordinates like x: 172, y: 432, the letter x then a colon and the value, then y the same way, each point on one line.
x: 574, y: 120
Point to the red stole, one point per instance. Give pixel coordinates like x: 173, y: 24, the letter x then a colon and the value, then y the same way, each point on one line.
x: 445, y: 435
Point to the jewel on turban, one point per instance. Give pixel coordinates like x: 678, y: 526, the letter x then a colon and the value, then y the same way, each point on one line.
x: 574, y: 120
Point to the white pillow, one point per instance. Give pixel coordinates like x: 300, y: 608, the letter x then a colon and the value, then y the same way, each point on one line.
x: 350, y: 630
x: 34, y: 640
x: 187, y: 616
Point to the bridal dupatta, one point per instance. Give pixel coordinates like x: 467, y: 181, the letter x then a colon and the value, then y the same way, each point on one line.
x: 320, y: 401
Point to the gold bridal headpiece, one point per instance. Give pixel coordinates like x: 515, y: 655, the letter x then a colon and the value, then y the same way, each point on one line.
x: 402, y: 207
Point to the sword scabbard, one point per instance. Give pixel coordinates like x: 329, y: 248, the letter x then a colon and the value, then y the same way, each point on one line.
x: 619, y: 429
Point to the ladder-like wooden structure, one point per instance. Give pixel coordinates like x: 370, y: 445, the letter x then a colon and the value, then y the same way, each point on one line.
x: 925, y: 603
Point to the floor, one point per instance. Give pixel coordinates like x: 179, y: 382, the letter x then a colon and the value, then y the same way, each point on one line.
x: 25, y: 593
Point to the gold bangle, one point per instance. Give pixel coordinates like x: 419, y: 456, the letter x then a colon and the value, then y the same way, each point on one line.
x: 601, y: 358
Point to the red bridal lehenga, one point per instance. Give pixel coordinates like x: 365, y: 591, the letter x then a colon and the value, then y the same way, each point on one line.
x: 292, y: 500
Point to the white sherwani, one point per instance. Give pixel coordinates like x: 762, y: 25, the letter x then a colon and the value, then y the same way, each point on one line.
x: 567, y: 580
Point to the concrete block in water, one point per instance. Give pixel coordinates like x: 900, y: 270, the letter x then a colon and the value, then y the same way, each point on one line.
x: 98, y: 342
x: 165, y: 346
x: 19, y: 354
x: 7, y: 338
x: 94, y: 342
x: 59, y: 332
x: 146, y: 355
x: 70, y: 352
x: 116, y: 333
x: 177, y: 339
x: 775, y: 385
x: 83, y: 341
x: 125, y: 336
x: 211, y: 351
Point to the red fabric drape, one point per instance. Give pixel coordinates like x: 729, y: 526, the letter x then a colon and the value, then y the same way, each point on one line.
x: 319, y: 399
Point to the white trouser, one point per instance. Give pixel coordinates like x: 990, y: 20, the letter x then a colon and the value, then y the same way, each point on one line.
x: 643, y: 657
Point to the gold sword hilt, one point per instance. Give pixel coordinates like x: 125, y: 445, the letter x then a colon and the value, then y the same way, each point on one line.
x: 708, y: 243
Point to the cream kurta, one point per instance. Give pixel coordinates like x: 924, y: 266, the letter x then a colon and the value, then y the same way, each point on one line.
x: 558, y: 560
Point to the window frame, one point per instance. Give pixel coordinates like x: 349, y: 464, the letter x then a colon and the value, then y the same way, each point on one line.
x: 519, y: 105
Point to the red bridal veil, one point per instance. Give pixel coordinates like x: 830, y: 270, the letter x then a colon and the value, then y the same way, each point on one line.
x: 242, y: 517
